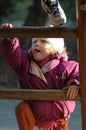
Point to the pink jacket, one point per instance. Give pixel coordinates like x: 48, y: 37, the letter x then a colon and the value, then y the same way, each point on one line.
x: 57, y: 74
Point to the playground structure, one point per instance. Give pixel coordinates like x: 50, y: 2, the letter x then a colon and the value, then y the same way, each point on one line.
x: 78, y: 32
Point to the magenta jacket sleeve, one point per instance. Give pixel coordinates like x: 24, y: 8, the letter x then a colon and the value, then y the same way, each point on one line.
x: 12, y: 53
x: 73, y: 72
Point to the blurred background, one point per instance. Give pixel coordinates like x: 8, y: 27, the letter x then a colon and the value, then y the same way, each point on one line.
x: 30, y: 13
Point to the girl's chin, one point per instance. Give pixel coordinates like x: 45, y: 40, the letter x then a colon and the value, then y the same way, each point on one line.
x: 38, y: 59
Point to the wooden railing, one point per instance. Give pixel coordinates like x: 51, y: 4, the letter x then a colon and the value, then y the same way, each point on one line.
x: 25, y: 94
x: 78, y: 32
x: 24, y: 32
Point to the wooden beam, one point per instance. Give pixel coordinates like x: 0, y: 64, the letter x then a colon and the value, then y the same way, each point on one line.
x: 81, y: 17
x: 25, y: 94
x: 30, y: 32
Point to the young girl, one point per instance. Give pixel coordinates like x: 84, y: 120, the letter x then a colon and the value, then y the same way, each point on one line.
x: 44, y: 66
x: 55, y: 12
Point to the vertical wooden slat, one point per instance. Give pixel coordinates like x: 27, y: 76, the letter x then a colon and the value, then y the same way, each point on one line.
x: 81, y: 19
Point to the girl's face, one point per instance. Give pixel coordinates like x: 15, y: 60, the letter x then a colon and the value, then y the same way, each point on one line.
x: 40, y: 49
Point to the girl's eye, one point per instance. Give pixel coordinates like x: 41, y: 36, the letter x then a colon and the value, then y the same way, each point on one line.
x: 34, y: 42
x: 44, y: 42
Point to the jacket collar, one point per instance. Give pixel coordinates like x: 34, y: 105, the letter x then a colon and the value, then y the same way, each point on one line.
x: 39, y: 72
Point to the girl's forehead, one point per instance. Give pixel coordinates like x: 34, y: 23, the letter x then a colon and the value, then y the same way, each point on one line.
x: 40, y: 40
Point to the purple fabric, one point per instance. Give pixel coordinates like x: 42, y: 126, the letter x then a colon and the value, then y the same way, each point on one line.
x: 57, y: 78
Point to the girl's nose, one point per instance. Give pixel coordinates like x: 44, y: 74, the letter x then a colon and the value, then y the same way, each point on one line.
x: 37, y: 44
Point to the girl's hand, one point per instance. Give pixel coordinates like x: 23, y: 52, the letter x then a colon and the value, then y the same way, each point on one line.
x: 72, y: 90
x: 6, y: 25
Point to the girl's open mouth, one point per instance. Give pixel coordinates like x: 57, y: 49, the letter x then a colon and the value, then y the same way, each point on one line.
x: 36, y: 50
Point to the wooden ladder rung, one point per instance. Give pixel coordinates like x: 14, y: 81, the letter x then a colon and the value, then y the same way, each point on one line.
x: 35, y: 94
x: 24, y: 32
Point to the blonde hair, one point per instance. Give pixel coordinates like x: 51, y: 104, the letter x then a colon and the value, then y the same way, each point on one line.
x: 57, y: 43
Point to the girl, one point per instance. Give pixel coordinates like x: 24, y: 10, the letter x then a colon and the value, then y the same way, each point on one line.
x: 44, y: 66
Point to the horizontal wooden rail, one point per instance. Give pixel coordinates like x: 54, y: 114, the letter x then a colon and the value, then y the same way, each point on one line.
x: 24, y: 94
x: 33, y: 31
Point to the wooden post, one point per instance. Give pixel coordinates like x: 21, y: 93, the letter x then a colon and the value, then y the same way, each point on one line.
x: 81, y: 19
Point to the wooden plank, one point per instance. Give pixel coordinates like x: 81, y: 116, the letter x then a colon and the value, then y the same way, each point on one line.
x: 25, y: 94
x: 30, y: 32
x: 81, y: 17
